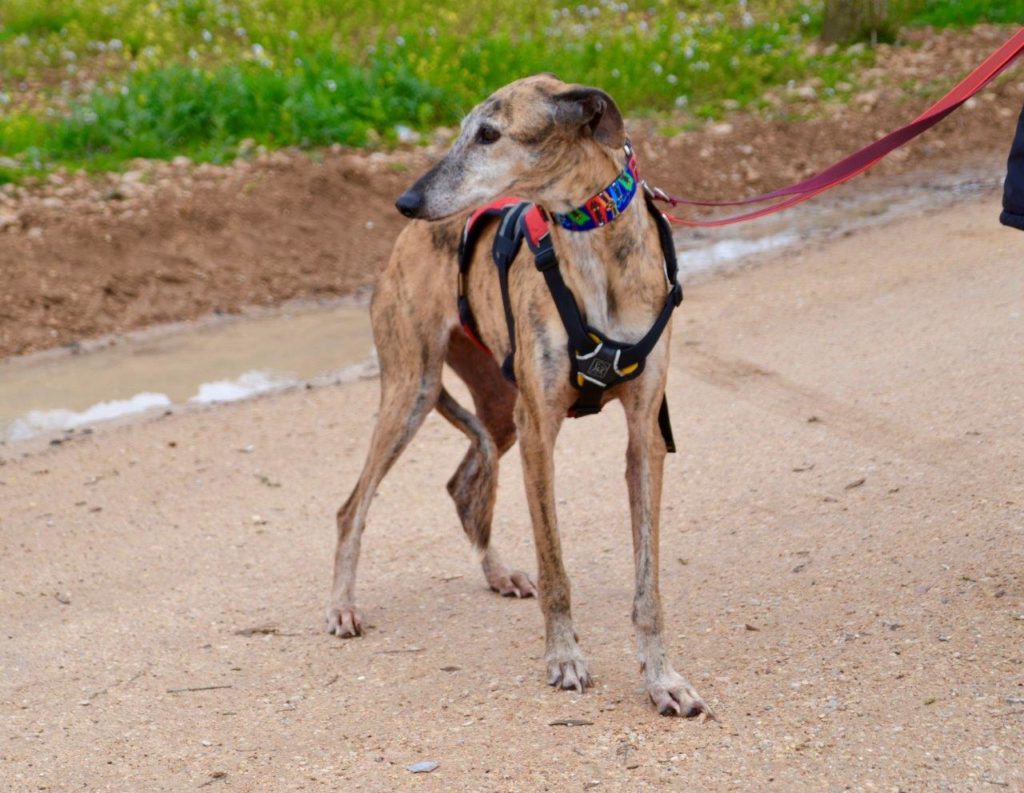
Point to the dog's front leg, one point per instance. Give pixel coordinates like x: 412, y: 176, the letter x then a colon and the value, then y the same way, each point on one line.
x: 671, y: 694
x: 537, y: 426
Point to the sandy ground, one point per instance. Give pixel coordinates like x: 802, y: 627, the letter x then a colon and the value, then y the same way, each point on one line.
x: 842, y: 557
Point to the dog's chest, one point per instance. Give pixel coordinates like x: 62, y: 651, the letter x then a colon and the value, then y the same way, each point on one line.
x: 608, y: 304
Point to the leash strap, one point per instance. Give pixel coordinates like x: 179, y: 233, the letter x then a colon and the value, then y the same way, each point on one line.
x: 861, y: 160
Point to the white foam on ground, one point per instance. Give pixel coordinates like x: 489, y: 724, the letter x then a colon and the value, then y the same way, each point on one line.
x: 37, y: 421
x: 707, y: 257
x: 246, y: 385
x: 242, y: 387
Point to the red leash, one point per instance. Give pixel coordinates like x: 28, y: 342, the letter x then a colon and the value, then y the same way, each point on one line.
x: 860, y: 161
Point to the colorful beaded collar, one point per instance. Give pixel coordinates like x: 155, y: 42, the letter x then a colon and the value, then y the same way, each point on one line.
x: 607, y: 205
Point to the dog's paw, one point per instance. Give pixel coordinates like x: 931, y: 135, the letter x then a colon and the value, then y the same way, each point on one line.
x: 511, y: 583
x: 344, y: 621
x: 673, y: 696
x: 568, y: 671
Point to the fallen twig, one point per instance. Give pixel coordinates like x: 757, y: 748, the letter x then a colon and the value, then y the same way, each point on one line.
x: 263, y: 630
x: 398, y: 652
x: 195, y: 688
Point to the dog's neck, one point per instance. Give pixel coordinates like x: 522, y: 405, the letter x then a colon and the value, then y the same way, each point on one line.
x: 616, y: 270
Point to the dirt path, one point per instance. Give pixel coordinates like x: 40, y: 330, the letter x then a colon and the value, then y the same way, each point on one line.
x: 842, y: 567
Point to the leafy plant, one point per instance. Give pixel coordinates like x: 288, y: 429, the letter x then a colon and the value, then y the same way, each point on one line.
x: 94, y: 83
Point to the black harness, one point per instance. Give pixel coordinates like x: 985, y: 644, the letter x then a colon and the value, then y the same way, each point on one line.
x: 597, y: 362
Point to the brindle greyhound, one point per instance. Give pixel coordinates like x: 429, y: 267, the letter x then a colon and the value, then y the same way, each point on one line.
x: 552, y: 144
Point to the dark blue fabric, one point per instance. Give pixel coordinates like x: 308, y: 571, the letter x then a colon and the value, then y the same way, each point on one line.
x: 1013, y: 187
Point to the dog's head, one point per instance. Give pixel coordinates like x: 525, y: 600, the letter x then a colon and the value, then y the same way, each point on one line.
x: 539, y: 139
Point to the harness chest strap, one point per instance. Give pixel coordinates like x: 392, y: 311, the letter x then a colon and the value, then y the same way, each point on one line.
x: 597, y: 362
x: 624, y: 361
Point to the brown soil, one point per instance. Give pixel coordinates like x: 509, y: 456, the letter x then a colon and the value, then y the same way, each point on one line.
x: 164, y: 242
x: 841, y: 567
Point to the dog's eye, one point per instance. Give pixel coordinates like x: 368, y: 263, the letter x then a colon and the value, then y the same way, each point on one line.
x: 487, y: 135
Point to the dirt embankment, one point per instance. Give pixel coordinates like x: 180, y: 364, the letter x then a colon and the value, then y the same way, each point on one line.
x: 85, y: 257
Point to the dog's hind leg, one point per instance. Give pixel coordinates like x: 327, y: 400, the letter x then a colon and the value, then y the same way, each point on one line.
x: 411, y: 361
x: 474, y: 485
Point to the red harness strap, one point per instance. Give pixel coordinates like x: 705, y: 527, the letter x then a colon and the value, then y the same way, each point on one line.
x: 492, y: 208
x: 536, y: 224
x: 860, y: 161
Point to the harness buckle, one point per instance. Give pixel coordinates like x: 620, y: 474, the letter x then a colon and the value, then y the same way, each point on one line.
x: 599, y: 366
x: 544, y: 256
x: 504, y: 250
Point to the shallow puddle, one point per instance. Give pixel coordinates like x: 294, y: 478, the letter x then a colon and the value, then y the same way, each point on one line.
x: 224, y: 359
x: 216, y: 361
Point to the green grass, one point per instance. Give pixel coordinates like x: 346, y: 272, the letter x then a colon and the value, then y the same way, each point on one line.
x: 184, y: 110
x: 110, y: 81
x: 955, y: 13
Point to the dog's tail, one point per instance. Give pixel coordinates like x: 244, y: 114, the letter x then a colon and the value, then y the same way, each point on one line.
x: 471, y: 487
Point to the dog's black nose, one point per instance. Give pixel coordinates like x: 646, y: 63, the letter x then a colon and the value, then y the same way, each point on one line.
x: 410, y: 203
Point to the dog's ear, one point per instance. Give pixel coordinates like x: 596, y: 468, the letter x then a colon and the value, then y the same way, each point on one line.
x: 593, y: 112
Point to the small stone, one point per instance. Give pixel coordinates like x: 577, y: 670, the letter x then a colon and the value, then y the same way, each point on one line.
x: 423, y: 767
x: 867, y: 99
x: 406, y: 134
